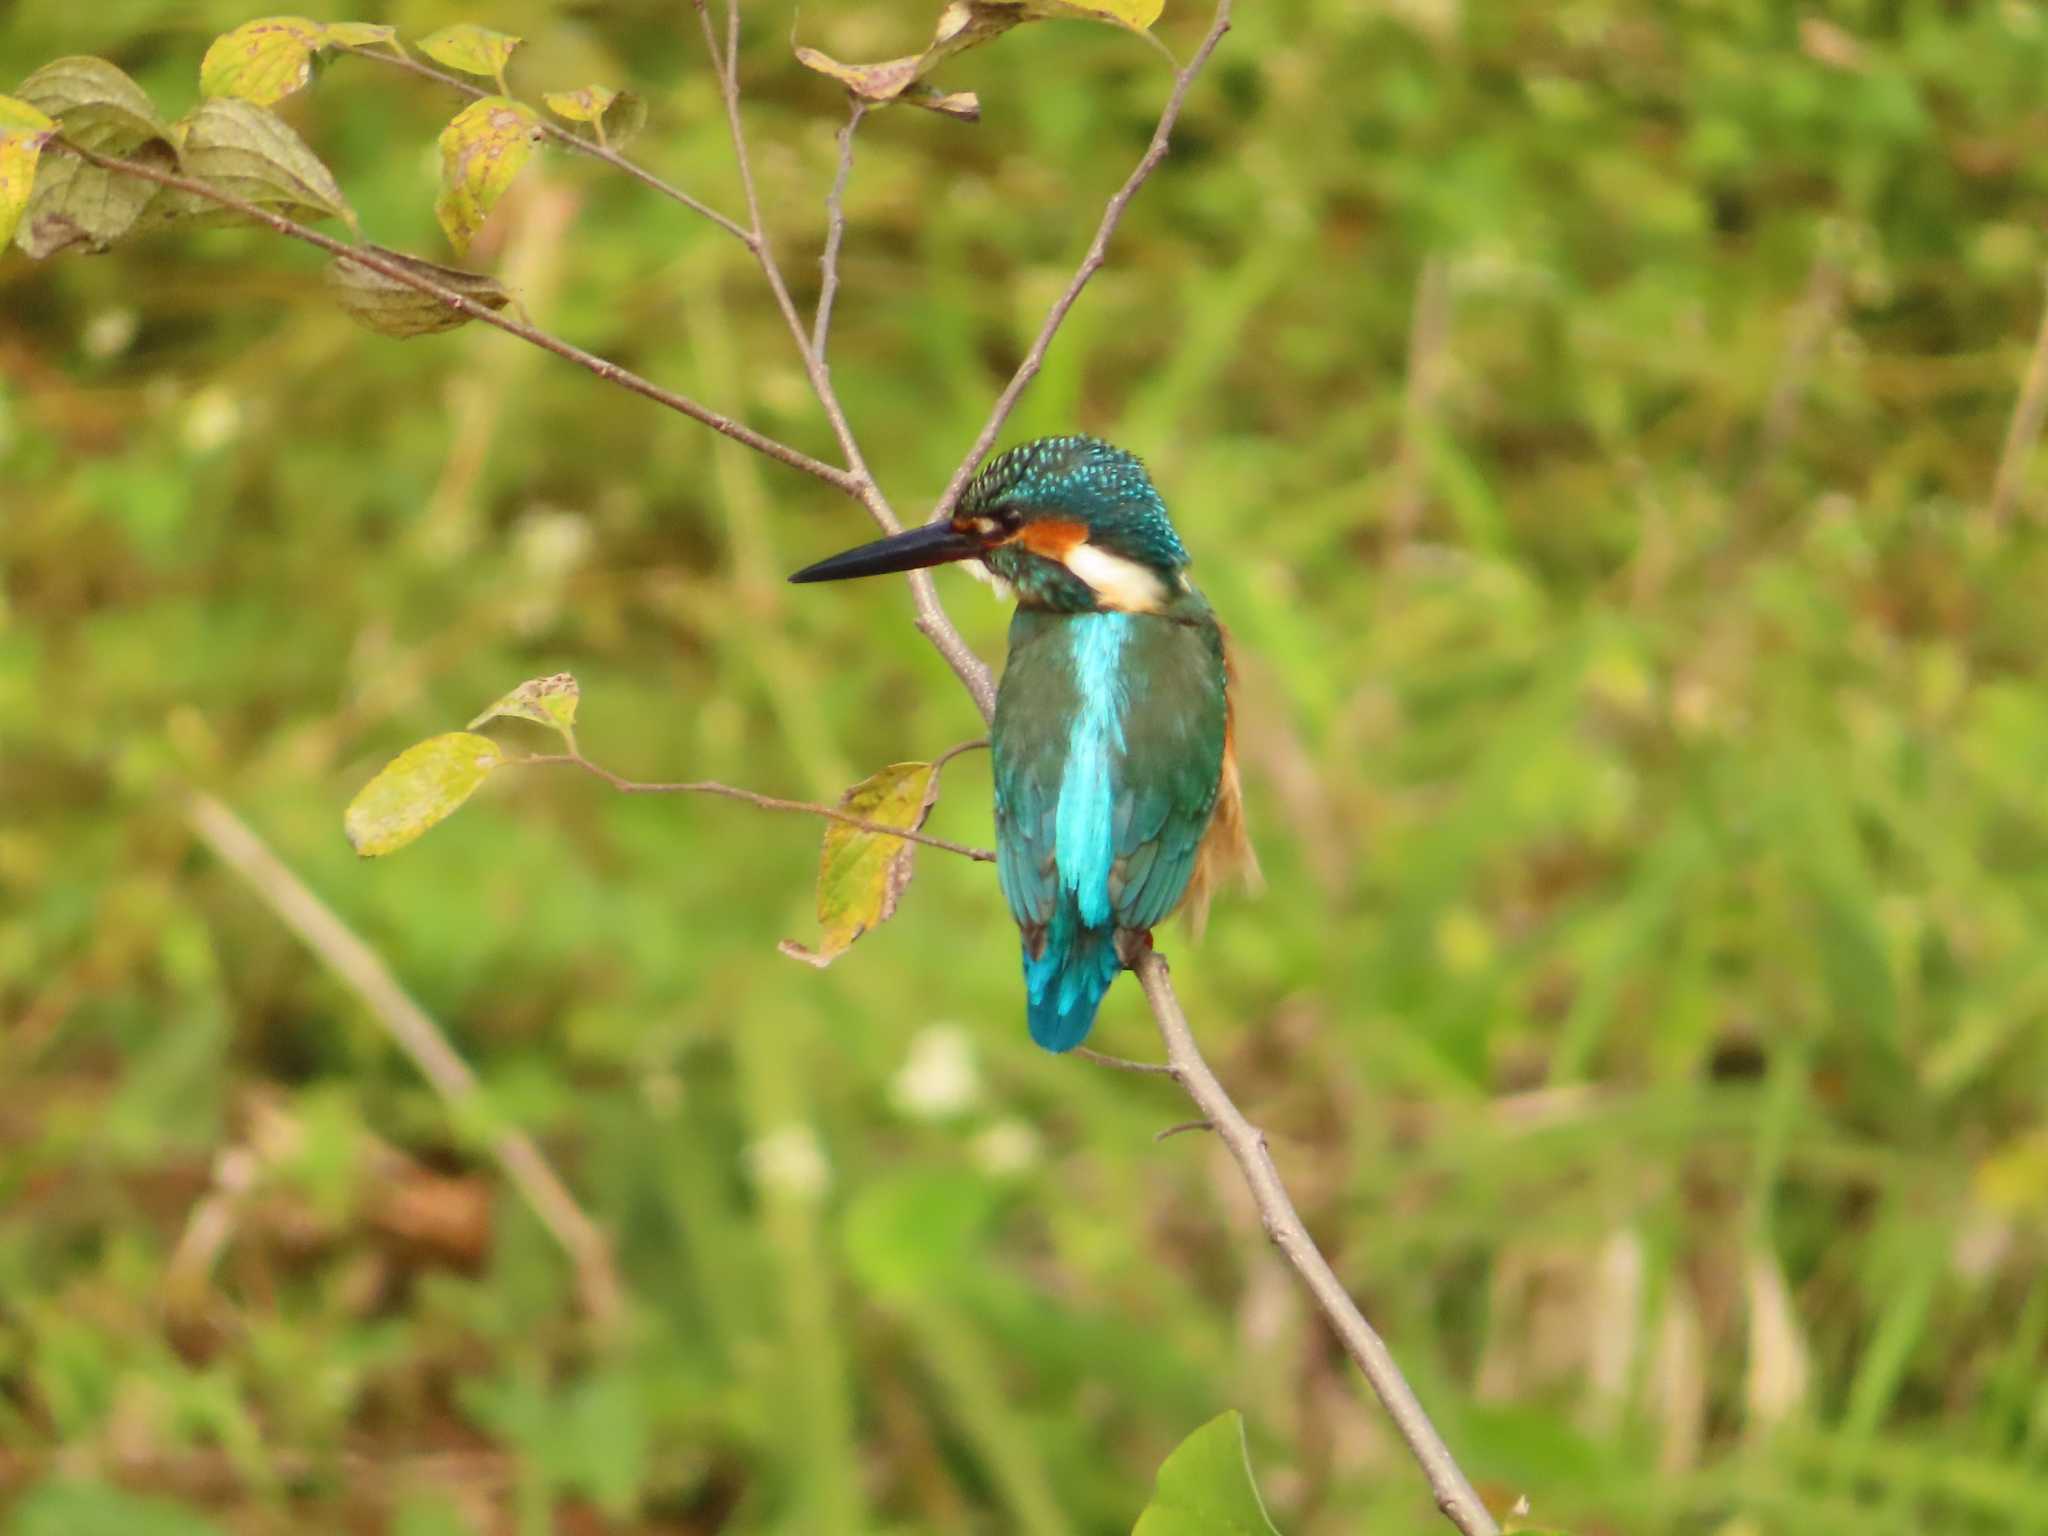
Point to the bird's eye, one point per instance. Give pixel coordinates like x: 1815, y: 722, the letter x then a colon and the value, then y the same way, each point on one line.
x: 1008, y: 518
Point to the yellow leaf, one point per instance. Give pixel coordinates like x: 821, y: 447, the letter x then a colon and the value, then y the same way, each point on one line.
x: 472, y: 49
x: 262, y: 61
x: 861, y: 875
x: 20, y: 147
x: 20, y: 117
x: 1132, y: 15
x: 549, y: 701
x: 482, y: 150
x: 361, y: 34
x: 584, y: 106
x: 616, y: 116
x: 419, y: 787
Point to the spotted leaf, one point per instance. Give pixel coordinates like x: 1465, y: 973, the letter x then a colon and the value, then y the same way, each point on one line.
x: 262, y: 61
x: 861, y: 874
x: 548, y: 701
x: 482, y: 150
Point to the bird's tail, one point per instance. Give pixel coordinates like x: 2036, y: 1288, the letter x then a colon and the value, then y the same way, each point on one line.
x: 1065, y: 981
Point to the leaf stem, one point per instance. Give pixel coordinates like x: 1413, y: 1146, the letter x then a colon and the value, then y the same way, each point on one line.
x: 761, y: 802
x: 1091, y: 262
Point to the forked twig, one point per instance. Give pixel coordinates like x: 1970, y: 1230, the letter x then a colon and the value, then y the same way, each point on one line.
x: 1091, y: 262
x: 604, y: 368
x: 1247, y: 1144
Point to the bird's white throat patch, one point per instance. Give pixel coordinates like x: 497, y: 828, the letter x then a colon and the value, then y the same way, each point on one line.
x: 1115, y: 581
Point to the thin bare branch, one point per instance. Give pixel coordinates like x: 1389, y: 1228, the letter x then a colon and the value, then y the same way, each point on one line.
x: 761, y: 802
x: 835, y: 230
x: 1183, y: 1128
x: 1247, y: 1144
x: 1125, y: 1064
x: 1091, y: 263
x: 609, y: 371
x: 2024, y: 432
x: 932, y: 620
x: 358, y: 968
x: 564, y: 136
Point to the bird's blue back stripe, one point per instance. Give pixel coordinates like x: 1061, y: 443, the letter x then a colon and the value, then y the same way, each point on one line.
x: 1082, y: 841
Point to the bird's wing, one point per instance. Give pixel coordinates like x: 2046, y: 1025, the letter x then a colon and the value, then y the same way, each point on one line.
x: 1163, y: 763
x: 1174, y: 731
x: 1031, y: 738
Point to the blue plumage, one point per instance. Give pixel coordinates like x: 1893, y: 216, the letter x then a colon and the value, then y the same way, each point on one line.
x: 1112, y: 724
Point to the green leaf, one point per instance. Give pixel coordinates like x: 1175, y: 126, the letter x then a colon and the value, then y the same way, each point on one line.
x: 1205, y: 1487
x: 97, y: 105
x: 548, y: 701
x: 23, y: 133
x: 966, y: 24
x: 361, y: 34
x: 419, y: 787
x: 251, y: 153
x: 862, y: 875
x: 482, y: 150
x: 98, y: 108
x: 390, y: 308
x: 262, y: 61
x: 472, y: 49
x: 615, y: 116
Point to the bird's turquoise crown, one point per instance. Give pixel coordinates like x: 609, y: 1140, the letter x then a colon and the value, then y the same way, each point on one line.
x: 1080, y: 480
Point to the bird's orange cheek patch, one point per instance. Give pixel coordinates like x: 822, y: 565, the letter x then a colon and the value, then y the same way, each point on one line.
x: 1051, y: 538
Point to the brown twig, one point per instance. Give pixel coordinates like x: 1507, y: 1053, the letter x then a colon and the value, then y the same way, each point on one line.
x: 1247, y: 1144
x: 358, y: 968
x: 760, y: 802
x: 609, y: 371
x: 835, y: 230
x: 932, y: 620
x: 1125, y: 1064
x: 562, y: 135
x: 1091, y: 263
x: 2024, y: 432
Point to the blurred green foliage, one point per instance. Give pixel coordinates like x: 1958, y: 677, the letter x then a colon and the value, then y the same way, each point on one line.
x: 1584, y: 414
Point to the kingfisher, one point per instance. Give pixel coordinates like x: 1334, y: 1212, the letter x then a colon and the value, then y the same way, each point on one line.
x: 1116, y: 783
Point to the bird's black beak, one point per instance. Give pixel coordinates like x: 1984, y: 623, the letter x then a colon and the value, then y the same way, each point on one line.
x: 911, y: 550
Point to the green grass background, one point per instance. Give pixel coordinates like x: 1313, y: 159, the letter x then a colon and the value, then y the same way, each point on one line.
x: 1645, y: 737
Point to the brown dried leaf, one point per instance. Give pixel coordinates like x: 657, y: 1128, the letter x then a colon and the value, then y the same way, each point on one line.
x: 391, y: 308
